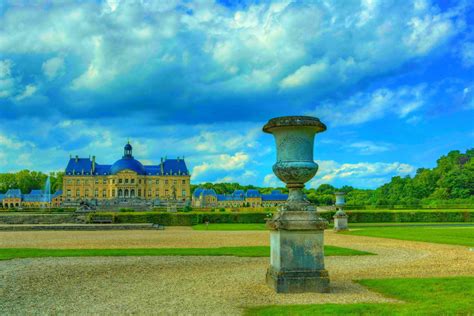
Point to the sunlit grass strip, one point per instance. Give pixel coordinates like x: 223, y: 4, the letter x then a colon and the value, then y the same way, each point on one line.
x: 447, y: 235
x: 257, y: 251
x: 427, y: 296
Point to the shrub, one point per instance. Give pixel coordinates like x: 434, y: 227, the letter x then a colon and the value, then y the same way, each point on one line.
x: 222, y: 210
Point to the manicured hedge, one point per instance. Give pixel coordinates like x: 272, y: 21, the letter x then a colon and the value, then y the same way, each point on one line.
x: 193, y: 218
x: 181, y: 219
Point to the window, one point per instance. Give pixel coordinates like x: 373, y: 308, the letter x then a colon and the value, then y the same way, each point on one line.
x: 149, y: 193
x: 126, y: 180
x: 69, y: 181
x: 120, y: 180
x: 166, y: 193
x: 166, y: 181
x: 104, y: 181
x: 132, y: 180
x: 68, y: 193
x: 157, y: 193
x: 139, y: 192
x: 183, y: 193
x: 96, y: 181
x: 139, y: 181
x: 157, y: 181
x: 149, y: 181
x: 78, y: 181
x: 174, y: 182
x: 96, y: 193
x: 113, y: 192
x: 104, y: 193
x: 78, y: 193
x: 87, y: 193
x: 183, y: 182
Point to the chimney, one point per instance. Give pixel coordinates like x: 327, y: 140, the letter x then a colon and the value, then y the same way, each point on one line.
x: 77, y: 158
x: 161, y: 165
x: 93, y: 164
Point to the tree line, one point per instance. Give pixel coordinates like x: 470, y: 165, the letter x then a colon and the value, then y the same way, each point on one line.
x: 450, y: 182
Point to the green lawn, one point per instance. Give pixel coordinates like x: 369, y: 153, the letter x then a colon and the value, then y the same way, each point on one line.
x: 431, y: 296
x: 230, y: 227
x: 257, y: 251
x: 446, y: 235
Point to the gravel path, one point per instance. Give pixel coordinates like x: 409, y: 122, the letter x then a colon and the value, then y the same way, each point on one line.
x: 201, y: 285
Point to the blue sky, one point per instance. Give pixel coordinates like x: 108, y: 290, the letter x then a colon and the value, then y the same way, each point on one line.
x: 393, y: 81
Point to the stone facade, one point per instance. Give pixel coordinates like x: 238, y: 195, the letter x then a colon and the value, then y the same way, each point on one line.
x: 126, y: 179
x: 239, y: 198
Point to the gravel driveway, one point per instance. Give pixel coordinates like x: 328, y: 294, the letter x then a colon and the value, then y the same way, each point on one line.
x: 203, y: 285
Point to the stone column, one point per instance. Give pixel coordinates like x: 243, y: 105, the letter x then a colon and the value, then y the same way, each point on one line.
x: 340, y: 218
x: 296, y: 231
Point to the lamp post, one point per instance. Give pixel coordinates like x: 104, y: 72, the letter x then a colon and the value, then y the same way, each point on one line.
x: 340, y: 218
x: 296, y: 231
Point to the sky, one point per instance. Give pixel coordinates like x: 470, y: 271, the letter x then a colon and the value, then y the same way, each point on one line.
x: 392, y: 80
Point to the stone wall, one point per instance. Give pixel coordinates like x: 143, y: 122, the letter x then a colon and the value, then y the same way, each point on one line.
x: 37, y: 218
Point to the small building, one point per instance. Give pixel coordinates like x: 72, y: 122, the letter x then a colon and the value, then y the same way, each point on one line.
x: 239, y: 198
x: 13, y: 198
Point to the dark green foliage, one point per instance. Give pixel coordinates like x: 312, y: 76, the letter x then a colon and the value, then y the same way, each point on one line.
x: 27, y: 180
x: 194, y: 218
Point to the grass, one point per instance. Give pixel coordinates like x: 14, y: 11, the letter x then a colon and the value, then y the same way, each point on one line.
x: 256, y: 251
x: 426, y: 210
x: 463, y: 236
x: 235, y: 227
x: 430, y: 296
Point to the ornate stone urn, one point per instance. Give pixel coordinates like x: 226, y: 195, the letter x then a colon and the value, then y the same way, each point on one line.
x: 296, y: 231
x: 340, y: 218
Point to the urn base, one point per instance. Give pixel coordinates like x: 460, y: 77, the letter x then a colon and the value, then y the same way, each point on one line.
x: 316, y: 281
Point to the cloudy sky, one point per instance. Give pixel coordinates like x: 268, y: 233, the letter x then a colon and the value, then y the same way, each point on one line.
x: 393, y: 81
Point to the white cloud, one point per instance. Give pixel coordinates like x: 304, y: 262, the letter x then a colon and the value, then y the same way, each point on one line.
x: 262, y: 46
x: 369, y: 148
x: 27, y: 92
x: 271, y: 180
x: 53, y: 67
x: 467, y: 54
x: 224, y: 162
x: 7, y: 82
x: 364, y: 107
x: 370, y: 174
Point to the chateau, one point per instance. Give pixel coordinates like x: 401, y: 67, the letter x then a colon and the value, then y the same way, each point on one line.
x: 239, y: 198
x: 126, y: 179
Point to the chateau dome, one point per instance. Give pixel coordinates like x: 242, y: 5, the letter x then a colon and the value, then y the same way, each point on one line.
x: 127, y: 163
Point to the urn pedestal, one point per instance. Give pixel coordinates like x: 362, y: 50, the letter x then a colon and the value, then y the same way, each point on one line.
x: 296, y: 231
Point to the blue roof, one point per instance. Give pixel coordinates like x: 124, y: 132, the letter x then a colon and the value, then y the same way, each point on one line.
x: 238, y: 193
x: 83, y: 166
x: 127, y: 164
x: 13, y: 193
x: 253, y: 194
x: 276, y: 195
x: 208, y: 192
x: 36, y: 192
x: 230, y: 197
x: 197, y: 192
x: 1, y: 196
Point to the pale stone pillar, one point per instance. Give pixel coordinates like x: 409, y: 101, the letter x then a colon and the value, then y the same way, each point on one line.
x: 297, y: 231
